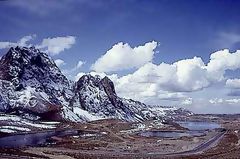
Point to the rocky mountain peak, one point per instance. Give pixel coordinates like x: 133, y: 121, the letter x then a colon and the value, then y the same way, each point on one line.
x: 35, y: 84
x: 28, y: 66
x: 88, y: 79
x: 108, y: 86
x: 104, y: 84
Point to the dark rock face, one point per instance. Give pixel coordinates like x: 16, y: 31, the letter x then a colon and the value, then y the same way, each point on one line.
x: 92, y: 96
x: 109, y: 88
x: 32, y: 72
x: 30, y: 82
x: 29, y: 67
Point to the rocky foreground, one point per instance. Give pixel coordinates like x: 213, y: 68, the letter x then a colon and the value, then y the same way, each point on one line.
x: 112, y: 138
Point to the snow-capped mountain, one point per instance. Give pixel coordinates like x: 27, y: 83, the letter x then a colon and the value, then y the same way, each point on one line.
x: 98, y: 97
x: 31, y: 85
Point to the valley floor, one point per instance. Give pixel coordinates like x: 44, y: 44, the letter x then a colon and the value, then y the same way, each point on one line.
x: 117, y: 139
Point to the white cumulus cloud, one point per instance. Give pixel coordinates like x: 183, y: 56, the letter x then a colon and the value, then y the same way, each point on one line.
x: 122, y: 56
x: 24, y: 41
x: 53, y: 46
x: 182, y: 76
x: 173, y: 81
x: 233, y: 83
x: 56, y: 45
x: 221, y: 61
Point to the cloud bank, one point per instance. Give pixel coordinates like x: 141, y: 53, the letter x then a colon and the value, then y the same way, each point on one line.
x: 182, y: 76
x: 166, y: 81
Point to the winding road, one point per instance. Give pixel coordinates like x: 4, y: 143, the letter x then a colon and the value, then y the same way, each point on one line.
x: 202, y: 147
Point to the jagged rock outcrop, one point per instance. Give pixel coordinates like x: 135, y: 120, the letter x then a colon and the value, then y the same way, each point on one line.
x: 32, y: 83
x: 98, y: 97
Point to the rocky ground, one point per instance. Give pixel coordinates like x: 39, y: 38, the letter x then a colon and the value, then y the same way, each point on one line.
x: 117, y: 139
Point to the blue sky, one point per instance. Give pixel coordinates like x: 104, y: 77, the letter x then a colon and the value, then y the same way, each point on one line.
x: 183, y: 29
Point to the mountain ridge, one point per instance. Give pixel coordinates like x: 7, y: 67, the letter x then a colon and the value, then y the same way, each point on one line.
x: 32, y: 84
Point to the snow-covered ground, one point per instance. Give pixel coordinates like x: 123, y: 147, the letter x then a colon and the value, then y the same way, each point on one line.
x: 13, y: 124
x: 85, y: 114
